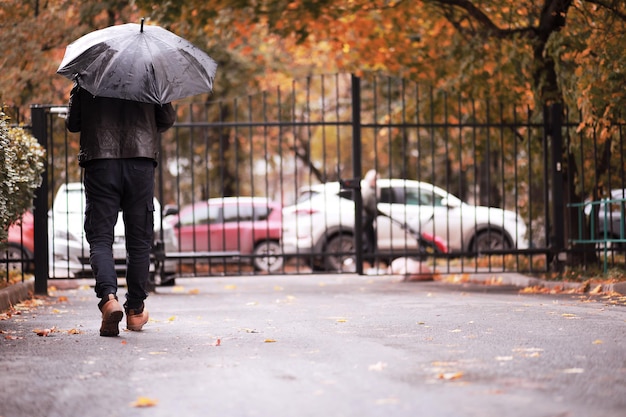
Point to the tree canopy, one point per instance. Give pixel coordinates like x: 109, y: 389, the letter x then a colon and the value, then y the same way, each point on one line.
x: 534, y: 51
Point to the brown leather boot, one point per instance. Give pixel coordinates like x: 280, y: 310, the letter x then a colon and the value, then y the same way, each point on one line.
x: 135, y: 319
x: 112, y: 314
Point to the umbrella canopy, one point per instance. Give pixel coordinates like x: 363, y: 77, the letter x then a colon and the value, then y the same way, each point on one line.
x: 133, y: 62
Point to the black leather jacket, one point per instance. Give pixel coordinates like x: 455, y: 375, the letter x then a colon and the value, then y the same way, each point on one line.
x: 113, y: 129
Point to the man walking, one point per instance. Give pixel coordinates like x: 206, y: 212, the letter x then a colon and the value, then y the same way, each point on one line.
x: 118, y: 152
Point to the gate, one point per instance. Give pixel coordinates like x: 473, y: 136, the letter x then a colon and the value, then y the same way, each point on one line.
x: 468, y: 186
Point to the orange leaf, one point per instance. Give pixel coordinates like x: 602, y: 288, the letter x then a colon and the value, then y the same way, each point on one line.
x: 449, y: 376
x: 144, y: 402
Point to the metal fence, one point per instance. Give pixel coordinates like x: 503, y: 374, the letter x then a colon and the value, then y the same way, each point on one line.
x: 302, y: 146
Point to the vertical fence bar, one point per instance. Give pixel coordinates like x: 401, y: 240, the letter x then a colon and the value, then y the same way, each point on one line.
x: 356, y: 171
x: 556, y: 123
x: 40, y: 212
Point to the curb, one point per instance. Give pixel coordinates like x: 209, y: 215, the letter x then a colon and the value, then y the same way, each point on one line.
x: 522, y: 281
x: 16, y: 293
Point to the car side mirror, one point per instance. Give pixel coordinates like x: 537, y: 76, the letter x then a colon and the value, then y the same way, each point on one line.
x: 449, y: 203
x: 170, y: 210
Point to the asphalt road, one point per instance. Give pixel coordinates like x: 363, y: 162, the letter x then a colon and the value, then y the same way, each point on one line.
x: 319, y: 346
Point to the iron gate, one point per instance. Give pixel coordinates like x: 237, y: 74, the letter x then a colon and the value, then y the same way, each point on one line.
x: 283, y: 145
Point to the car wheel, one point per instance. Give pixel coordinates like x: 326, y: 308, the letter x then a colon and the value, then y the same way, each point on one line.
x: 268, y: 256
x: 15, y: 253
x: 338, y: 249
x: 490, y: 240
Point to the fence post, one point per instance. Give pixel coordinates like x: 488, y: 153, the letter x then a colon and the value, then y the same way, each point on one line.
x: 40, y: 212
x: 558, y: 212
x: 356, y: 172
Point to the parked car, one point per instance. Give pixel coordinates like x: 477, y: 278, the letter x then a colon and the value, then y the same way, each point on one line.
x: 321, y: 222
x: 20, y: 245
x: 68, y: 246
x: 610, y: 221
x: 235, y: 227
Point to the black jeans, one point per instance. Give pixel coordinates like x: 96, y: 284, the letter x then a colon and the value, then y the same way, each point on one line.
x: 112, y: 185
x: 369, y: 239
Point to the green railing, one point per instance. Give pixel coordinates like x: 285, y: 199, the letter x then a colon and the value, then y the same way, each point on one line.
x: 606, y: 230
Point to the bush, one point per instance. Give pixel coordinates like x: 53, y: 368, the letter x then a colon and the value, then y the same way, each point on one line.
x: 22, y: 162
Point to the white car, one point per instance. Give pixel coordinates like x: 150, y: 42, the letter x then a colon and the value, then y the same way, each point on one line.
x: 68, y: 247
x: 321, y: 223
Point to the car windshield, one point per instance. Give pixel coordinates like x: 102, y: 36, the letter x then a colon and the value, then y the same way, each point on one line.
x: 245, y: 212
x: 201, y: 214
x: 410, y: 196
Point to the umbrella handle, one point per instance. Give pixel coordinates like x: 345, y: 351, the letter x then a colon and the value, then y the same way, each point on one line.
x: 141, y: 29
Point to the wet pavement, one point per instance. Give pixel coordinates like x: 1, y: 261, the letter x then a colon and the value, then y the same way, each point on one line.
x: 320, y: 345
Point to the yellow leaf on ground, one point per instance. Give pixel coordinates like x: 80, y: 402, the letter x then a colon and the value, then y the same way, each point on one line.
x: 596, y: 290
x: 597, y: 342
x: 270, y: 341
x: 144, y: 402
x: 172, y: 318
x: 194, y: 291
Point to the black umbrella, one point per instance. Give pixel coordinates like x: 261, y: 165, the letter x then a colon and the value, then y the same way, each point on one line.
x: 133, y: 62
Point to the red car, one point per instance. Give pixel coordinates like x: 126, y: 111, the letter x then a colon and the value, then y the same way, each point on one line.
x: 239, y: 227
x: 20, y: 245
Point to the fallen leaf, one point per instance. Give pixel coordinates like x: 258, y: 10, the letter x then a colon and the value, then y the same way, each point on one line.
x: 270, y: 341
x: 249, y: 330
x: 449, y: 376
x: 62, y: 299
x: 230, y: 287
x: 194, y: 291
x: 178, y: 288
x: 573, y: 371
x: 144, y: 402
x: 44, y: 332
x: 596, y: 290
x: 218, y: 342
x: 504, y: 358
x: 379, y: 366
x: 172, y: 318
x: 597, y: 342
x: 74, y: 331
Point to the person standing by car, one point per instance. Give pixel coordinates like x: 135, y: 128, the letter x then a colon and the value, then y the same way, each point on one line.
x: 370, y: 212
x: 118, y: 154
